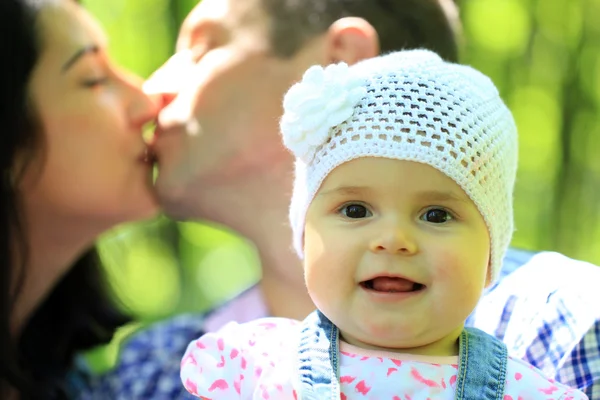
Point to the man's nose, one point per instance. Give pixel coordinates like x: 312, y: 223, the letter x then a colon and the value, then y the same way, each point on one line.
x: 162, y: 99
x: 168, y: 80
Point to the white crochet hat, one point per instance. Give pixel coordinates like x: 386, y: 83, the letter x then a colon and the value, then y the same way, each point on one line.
x: 408, y: 105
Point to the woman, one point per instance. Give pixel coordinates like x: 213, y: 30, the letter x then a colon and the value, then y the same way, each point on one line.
x: 74, y: 164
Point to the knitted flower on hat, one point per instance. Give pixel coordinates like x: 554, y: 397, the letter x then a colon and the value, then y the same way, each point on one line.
x: 408, y: 105
x: 325, y: 98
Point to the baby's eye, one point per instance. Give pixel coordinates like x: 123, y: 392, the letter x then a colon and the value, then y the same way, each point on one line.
x: 436, y: 216
x: 355, y: 211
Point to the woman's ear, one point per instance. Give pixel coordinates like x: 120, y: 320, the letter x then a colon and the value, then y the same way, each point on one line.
x: 352, y: 39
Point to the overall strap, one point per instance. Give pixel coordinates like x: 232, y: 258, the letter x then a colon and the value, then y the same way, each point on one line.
x: 481, y: 366
x: 317, y: 364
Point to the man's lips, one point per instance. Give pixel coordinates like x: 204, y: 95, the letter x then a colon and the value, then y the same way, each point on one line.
x: 391, y: 284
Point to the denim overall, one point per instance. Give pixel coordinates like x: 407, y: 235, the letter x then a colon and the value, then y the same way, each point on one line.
x: 481, y: 363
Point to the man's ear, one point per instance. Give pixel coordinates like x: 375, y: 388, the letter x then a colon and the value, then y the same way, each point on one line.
x: 352, y: 39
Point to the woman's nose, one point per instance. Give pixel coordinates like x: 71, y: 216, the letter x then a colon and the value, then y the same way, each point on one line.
x: 141, y: 107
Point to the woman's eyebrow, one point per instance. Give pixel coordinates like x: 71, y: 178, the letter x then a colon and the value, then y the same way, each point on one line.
x: 78, y: 54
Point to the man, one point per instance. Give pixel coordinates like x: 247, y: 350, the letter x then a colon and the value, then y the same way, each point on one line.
x: 221, y: 159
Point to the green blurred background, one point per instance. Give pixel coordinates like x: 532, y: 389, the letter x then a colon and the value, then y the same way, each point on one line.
x: 544, y: 55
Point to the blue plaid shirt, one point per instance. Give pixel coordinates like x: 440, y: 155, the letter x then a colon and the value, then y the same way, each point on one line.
x: 545, y: 307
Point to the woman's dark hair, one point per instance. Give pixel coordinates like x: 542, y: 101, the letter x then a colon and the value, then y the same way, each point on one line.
x: 78, y: 314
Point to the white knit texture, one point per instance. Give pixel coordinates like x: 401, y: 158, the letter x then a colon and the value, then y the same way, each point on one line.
x: 416, y: 107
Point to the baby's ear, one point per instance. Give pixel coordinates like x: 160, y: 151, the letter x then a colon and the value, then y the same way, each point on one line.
x: 488, y: 277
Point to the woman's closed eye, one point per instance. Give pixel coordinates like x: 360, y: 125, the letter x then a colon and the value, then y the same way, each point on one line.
x: 437, y: 216
x: 95, y: 82
x: 94, y: 70
x: 355, y: 211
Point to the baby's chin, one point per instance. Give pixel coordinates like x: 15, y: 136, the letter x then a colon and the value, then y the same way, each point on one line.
x: 398, y: 340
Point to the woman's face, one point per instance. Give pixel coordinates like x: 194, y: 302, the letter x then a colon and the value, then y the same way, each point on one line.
x: 90, y: 164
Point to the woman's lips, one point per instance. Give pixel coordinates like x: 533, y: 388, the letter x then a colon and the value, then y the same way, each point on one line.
x: 148, y: 156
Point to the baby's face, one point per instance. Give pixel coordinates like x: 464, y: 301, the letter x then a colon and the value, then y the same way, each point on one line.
x: 396, y: 255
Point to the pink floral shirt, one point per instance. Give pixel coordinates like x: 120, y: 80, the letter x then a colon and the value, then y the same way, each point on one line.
x: 256, y: 360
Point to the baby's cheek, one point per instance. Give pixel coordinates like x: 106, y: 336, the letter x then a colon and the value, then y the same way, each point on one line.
x: 461, y: 268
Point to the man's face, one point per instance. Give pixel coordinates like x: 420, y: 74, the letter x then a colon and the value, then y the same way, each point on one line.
x: 222, y: 126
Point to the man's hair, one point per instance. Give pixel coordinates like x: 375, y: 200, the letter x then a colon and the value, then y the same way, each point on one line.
x: 400, y: 24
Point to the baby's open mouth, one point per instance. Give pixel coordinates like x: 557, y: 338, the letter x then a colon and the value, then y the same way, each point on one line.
x: 391, y: 285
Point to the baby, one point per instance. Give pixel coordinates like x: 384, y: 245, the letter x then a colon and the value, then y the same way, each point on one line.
x: 402, y: 212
